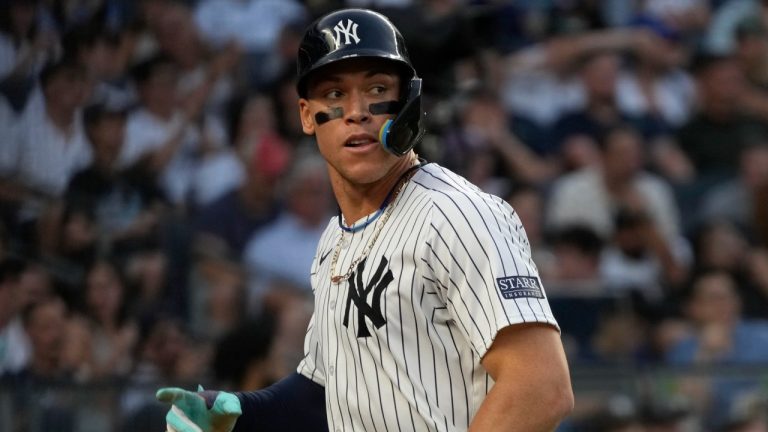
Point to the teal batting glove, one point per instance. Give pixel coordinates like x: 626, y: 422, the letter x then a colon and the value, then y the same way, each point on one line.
x: 203, y: 411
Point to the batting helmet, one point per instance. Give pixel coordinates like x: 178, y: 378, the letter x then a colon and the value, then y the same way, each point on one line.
x: 360, y: 33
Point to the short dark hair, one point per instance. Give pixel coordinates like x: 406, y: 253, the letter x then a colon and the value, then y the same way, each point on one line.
x: 581, y: 237
x: 86, y: 36
x: 57, y: 67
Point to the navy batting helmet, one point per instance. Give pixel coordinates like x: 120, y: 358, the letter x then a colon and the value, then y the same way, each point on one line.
x: 360, y: 33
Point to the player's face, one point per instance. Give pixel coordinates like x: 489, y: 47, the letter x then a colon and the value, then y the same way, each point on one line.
x: 337, y: 112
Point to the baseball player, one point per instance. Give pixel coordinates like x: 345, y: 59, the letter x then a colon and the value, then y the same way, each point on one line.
x: 429, y: 312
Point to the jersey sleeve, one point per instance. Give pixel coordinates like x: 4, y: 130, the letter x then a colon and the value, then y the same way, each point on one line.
x: 481, y: 261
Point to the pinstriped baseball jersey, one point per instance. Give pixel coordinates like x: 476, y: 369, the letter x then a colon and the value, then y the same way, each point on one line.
x: 398, y: 344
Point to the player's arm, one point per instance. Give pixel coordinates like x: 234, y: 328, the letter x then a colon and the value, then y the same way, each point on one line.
x: 272, y: 409
x: 295, y: 403
x: 532, y: 390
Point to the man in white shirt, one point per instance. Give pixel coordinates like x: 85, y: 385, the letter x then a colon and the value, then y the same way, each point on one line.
x: 170, y: 140
x: 49, y: 145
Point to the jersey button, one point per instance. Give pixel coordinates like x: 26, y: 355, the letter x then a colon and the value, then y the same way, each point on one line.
x: 330, y: 370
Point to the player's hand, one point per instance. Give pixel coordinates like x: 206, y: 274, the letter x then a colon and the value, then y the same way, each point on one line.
x: 202, y: 411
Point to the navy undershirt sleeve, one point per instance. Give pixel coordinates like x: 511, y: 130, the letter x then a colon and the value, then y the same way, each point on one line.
x: 294, y: 403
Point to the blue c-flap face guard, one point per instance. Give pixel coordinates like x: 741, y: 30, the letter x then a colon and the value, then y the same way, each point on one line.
x: 400, y: 134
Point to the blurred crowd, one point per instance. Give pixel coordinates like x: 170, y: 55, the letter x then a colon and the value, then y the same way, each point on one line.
x: 160, y: 205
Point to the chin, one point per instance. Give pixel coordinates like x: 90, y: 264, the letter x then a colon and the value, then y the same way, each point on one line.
x: 364, y: 172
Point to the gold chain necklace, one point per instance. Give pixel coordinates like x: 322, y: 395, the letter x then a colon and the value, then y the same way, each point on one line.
x: 379, y: 227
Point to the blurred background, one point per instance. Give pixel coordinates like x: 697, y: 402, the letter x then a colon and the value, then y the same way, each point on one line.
x: 159, y: 205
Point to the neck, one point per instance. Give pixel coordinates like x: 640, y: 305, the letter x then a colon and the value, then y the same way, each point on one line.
x: 359, y: 200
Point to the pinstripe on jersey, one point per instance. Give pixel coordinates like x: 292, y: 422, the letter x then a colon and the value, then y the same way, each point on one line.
x: 445, y: 245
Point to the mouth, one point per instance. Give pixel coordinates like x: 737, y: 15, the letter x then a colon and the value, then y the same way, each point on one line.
x: 361, y: 140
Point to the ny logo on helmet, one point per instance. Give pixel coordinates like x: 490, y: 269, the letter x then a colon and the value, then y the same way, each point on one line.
x: 350, y: 31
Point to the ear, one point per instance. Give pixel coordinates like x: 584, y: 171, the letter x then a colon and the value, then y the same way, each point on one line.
x: 307, y: 120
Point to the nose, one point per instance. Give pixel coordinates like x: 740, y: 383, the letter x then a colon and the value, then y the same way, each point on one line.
x: 356, y: 109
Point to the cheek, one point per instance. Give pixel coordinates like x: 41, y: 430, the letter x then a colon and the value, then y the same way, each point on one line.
x: 325, y: 138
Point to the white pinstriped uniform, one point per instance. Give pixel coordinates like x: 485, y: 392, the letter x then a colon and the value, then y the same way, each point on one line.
x: 461, y: 270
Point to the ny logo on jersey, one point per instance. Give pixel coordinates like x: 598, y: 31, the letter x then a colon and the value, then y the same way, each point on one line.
x: 350, y: 31
x: 359, y: 293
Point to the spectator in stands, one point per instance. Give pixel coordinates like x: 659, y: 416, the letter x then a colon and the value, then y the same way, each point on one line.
x: 482, y: 136
x: 738, y: 200
x: 25, y: 46
x: 656, y: 84
x: 102, y: 338
x: 201, y: 69
x: 621, y: 337
x: 721, y: 336
x: 126, y: 208
x: 14, y: 343
x: 714, y: 137
x: 638, y: 258
x: 576, y: 133
x: 105, y: 56
x: 294, y: 235
x: 656, y: 88
x: 751, y: 50
x: 751, y: 54
x: 147, y: 276
x: 50, y: 145
x: 170, y: 140
x: 721, y: 246
x: 227, y: 223
x: 575, y: 265
x: 545, y: 72
x: 593, y: 195
x: 217, y: 294
x: 255, y: 25
x: 167, y: 353
x: 45, y: 323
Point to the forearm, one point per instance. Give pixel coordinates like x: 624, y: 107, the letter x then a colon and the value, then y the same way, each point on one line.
x: 524, y: 163
x: 294, y: 403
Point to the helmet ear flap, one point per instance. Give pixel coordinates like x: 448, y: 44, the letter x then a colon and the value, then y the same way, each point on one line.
x: 400, y: 134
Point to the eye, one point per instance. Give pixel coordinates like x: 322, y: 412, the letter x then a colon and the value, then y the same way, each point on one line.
x: 378, y: 90
x: 333, y: 94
